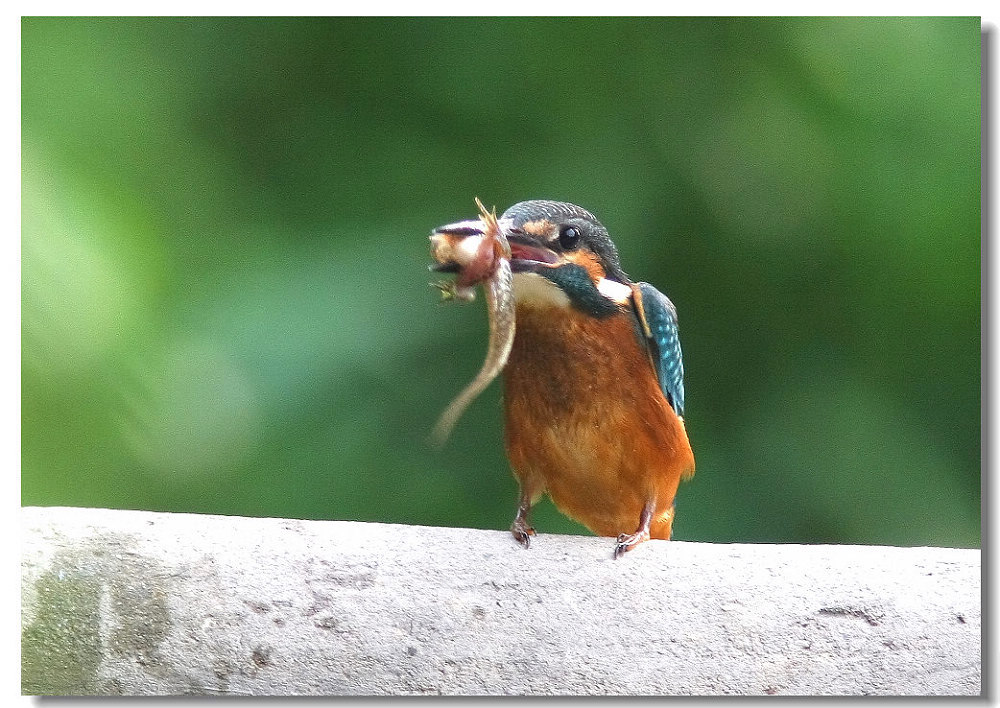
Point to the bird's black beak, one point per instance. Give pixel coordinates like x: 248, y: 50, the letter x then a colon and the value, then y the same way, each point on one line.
x: 528, y: 253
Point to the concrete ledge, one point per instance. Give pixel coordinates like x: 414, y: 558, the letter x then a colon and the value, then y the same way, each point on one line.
x: 139, y: 603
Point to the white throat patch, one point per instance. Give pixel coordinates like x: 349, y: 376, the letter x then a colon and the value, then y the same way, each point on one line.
x: 533, y: 289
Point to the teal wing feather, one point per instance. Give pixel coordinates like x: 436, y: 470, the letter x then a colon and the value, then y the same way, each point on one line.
x: 664, y: 344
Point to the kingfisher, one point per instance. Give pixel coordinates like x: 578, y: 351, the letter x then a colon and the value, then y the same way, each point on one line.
x: 593, y: 392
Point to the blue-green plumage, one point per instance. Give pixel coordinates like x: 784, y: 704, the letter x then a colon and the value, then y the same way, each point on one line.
x: 574, y: 280
x: 665, y: 344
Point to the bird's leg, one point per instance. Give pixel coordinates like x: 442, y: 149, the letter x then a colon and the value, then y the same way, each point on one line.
x: 628, y: 541
x: 520, y: 528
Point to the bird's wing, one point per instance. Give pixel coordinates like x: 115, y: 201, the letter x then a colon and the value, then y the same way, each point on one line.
x: 658, y: 318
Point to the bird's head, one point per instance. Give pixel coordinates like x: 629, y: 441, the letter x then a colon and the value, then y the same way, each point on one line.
x: 560, y: 255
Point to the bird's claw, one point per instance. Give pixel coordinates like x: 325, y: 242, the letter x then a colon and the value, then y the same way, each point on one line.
x: 627, y: 541
x: 522, y: 533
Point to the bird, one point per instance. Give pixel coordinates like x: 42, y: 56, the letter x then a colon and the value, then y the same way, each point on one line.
x: 593, y: 389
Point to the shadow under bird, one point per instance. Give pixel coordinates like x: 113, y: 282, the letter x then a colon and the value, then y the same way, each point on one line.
x: 593, y: 376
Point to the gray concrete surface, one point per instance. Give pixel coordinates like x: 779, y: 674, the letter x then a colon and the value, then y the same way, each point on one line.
x: 129, y: 602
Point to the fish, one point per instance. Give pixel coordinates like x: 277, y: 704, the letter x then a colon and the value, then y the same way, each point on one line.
x: 479, y: 254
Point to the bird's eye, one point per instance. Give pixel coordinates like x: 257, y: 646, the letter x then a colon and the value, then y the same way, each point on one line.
x: 569, y: 237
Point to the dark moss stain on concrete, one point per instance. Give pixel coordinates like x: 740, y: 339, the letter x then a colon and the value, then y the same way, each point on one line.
x: 62, y: 647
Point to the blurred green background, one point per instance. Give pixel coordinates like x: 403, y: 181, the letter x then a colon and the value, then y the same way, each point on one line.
x: 225, y: 305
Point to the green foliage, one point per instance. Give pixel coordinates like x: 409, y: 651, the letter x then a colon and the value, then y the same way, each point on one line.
x: 224, y: 297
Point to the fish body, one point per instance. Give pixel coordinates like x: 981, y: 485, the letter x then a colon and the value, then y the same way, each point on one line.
x: 481, y: 253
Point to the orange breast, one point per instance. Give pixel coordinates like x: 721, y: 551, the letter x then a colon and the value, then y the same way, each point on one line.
x: 586, y: 421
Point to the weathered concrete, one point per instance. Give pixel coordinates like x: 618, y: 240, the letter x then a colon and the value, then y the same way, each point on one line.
x: 144, y: 603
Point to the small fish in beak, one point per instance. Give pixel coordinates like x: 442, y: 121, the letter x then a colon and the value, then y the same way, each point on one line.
x: 478, y: 252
